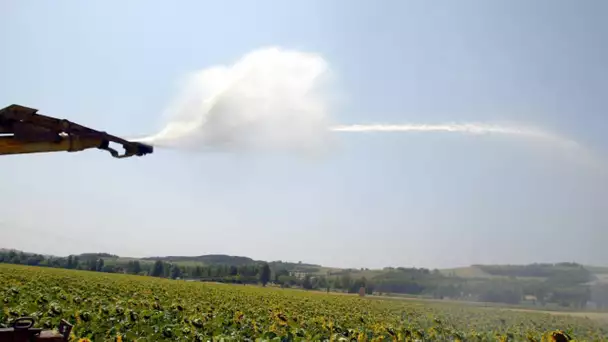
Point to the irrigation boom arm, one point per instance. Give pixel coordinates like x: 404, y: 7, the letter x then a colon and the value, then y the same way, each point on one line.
x: 24, y: 131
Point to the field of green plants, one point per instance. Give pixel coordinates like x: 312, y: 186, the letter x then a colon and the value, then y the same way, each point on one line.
x: 113, y: 307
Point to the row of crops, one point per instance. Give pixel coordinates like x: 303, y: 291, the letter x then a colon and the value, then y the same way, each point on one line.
x: 128, y: 308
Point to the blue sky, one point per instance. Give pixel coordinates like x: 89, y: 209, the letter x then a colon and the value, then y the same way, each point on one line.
x: 433, y: 200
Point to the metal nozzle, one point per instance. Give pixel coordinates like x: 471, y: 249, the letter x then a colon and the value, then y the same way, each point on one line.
x: 131, y: 148
x: 143, y: 149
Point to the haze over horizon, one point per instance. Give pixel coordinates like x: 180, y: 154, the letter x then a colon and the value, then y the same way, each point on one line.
x: 424, y: 199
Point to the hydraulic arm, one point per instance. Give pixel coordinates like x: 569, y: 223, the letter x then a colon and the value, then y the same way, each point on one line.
x: 22, y: 130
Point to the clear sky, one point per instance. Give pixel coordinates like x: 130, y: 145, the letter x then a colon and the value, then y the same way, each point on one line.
x: 432, y: 199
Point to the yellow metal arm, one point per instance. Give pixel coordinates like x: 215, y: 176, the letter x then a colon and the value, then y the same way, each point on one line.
x: 24, y: 131
x: 11, y: 145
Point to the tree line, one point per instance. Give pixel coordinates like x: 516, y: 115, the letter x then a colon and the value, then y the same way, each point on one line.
x: 259, y: 272
x: 70, y: 262
x: 109, y: 264
x: 565, y: 284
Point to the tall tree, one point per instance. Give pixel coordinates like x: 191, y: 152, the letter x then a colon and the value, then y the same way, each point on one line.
x: 321, y: 282
x: 158, y: 269
x: 100, y: 265
x: 176, y: 272
x: 279, y: 273
x: 167, y: 269
x: 92, y: 263
x: 345, y: 281
x: 265, y: 274
x: 134, y: 267
x: 306, y: 284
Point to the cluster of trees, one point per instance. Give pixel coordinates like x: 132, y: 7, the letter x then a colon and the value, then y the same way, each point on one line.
x: 352, y: 285
x: 244, y: 274
x: 252, y: 273
x: 276, y: 272
x: 414, y: 281
x: 211, y: 259
x: 560, y: 272
x: 89, y: 262
x: 344, y: 282
x: 565, y: 284
x: 494, y: 290
x: 599, y: 295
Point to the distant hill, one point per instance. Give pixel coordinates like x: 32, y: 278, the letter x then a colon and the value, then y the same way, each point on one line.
x: 210, y: 259
x: 466, y: 272
x: 540, y: 271
x: 88, y: 256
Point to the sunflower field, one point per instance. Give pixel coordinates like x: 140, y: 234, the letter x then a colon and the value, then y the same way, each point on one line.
x: 113, y: 307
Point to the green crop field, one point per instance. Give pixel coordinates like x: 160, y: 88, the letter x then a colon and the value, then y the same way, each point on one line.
x: 113, y: 307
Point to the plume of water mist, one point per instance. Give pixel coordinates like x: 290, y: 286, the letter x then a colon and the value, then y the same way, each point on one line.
x: 270, y: 98
x: 274, y: 98
x: 467, y: 128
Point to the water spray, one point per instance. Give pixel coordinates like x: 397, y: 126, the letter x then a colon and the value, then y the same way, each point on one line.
x: 276, y: 98
x: 466, y: 128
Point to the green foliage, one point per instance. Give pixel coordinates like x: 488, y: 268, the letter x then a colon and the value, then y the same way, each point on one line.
x: 208, y: 259
x: 408, y: 280
x: 158, y: 270
x: 134, y: 267
x: 345, y: 281
x: 568, y: 273
x: 306, y: 283
x: 110, y: 307
x: 176, y: 272
x: 265, y: 274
